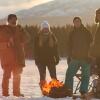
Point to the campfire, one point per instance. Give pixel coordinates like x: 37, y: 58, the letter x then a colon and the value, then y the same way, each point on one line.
x: 47, y: 87
x: 55, y: 89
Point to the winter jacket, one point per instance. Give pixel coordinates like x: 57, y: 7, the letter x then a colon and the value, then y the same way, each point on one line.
x: 12, y: 40
x: 95, y: 49
x: 79, y: 43
x: 45, y: 54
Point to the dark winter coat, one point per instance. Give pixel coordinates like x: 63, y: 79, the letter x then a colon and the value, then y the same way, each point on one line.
x: 46, y: 54
x: 95, y: 50
x: 79, y: 43
x: 12, y: 53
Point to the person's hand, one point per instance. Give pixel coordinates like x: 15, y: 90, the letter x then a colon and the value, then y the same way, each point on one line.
x: 56, y: 59
x: 11, y: 42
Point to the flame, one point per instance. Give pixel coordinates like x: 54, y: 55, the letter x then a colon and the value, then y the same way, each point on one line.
x: 46, y: 88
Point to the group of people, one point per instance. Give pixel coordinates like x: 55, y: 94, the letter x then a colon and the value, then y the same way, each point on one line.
x: 81, y: 48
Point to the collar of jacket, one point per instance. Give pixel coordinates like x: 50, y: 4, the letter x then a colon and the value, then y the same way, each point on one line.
x: 79, y: 29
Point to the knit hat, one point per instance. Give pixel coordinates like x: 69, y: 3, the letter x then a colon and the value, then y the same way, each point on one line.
x: 45, y: 24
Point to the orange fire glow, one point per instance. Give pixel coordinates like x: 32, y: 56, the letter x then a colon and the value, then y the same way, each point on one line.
x: 48, y: 86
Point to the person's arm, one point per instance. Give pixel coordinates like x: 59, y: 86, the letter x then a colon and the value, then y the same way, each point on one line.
x: 90, y: 41
x: 69, y: 48
x: 56, y: 53
x: 90, y: 37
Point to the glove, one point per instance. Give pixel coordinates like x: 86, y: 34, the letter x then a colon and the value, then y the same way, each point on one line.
x: 56, y: 59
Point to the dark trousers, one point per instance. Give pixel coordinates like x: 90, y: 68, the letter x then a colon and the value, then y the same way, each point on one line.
x: 42, y: 71
x: 16, y: 80
x: 98, y: 64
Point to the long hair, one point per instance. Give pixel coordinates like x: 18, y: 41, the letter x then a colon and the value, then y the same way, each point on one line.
x: 52, y: 40
x: 96, y: 20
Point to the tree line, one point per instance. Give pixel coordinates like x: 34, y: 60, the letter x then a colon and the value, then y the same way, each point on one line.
x: 61, y: 33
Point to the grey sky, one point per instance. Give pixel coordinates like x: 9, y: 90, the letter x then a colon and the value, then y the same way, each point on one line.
x: 12, y: 6
x: 5, y: 3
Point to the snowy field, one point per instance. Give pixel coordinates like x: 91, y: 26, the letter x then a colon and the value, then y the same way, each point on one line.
x: 30, y: 80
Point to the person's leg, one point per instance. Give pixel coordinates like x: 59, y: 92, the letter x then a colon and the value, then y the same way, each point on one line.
x: 85, y: 77
x: 52, y: 71
x: 5, y: 81
x: 71, y: 71
x: 42, y: 72
x: 16, y: 81
x: 98, y: 65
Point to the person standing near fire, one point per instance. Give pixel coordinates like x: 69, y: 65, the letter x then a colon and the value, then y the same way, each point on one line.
x: 79, y: 43
x: 96, y: 43
x: 96, y: 53
x: 12, y: 41
x: 46, y: 53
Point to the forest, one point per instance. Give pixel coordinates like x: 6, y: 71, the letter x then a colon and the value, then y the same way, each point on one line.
x: 62, y: 34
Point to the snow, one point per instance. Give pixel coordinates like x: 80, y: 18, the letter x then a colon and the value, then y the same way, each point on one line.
x: 40, y: 98
x: 30, y: 80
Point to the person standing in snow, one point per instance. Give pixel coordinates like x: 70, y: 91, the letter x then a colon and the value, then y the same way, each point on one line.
x: 12, y: 41
x: 46, y: 53
x: 78, y: 55
x: 96, y: 53
x: 96, y: 44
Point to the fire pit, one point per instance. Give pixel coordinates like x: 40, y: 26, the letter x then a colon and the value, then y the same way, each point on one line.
x: 55, y: 89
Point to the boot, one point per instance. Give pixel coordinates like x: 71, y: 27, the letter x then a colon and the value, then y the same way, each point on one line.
x: 41, y: 84
x: 86, y: 96
x: 16, y: 86
x: 18, y: 95
x: 5, y: 87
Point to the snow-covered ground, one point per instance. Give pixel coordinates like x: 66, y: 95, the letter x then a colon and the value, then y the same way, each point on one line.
x: 30, y: 80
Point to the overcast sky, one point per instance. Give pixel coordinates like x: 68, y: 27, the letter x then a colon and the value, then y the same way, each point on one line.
x: 11, y: 6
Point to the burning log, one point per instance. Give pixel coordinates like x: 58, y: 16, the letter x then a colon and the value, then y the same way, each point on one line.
x: 55, y: 89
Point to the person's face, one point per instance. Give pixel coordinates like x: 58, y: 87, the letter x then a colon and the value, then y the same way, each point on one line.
x: 77, y: 23
x: 45, y: 30
x: 98, y: 17
x: 12, y: 21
